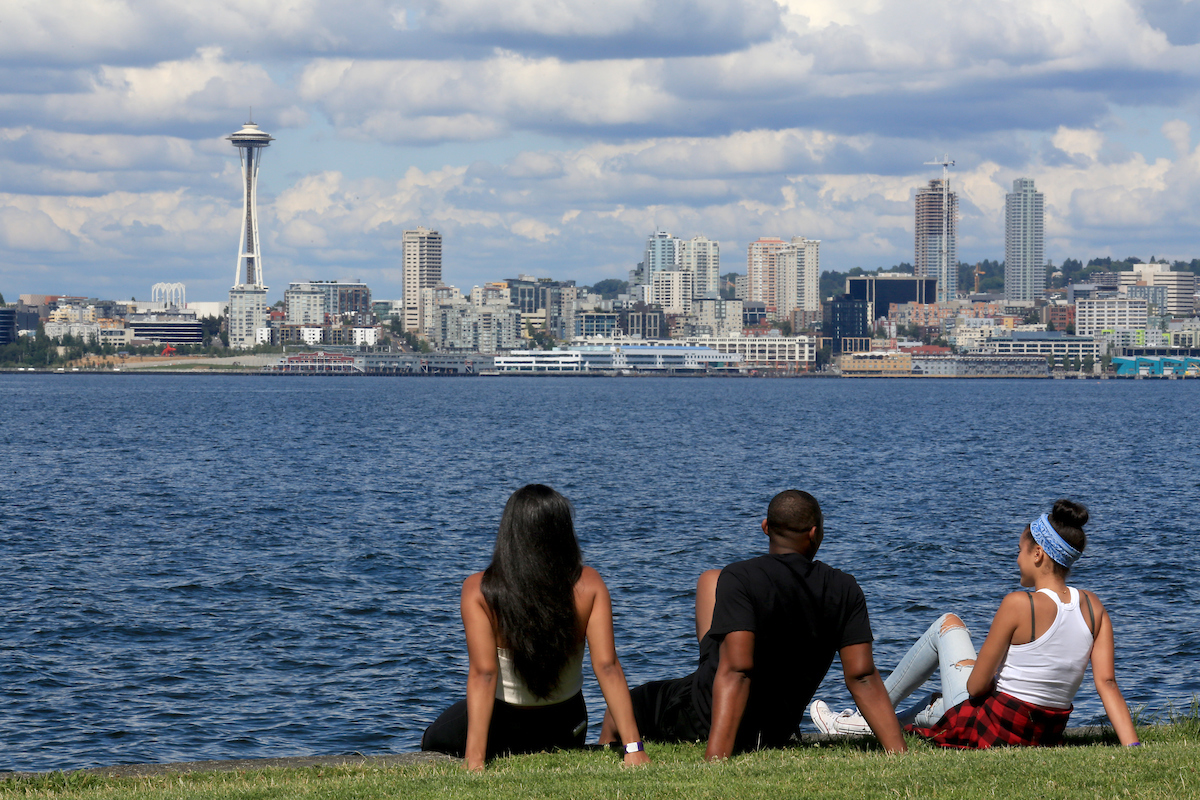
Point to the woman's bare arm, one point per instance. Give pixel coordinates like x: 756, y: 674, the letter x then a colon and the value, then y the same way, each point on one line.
x: 1104, y: 673
x: 482, y: 671
x: 592, y: 592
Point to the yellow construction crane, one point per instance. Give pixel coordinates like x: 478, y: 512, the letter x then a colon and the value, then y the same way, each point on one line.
x: 978, y: 272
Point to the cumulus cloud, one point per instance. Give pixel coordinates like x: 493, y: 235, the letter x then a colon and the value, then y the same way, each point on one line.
x: 553, y: 135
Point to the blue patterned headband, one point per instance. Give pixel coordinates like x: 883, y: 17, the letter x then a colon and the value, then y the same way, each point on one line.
x: 1059, y: 551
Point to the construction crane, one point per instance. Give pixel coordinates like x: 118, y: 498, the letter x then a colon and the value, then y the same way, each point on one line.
x: 979, y: 271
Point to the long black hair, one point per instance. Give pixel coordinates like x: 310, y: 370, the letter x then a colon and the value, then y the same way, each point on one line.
x: 530, y: 584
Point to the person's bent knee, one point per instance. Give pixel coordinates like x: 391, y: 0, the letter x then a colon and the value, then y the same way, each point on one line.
x: 948, y: 622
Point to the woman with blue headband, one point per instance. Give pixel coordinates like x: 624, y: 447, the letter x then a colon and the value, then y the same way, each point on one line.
x: 1019, y: 688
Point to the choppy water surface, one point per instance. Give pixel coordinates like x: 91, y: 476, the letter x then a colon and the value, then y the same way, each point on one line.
x: 233, y: 567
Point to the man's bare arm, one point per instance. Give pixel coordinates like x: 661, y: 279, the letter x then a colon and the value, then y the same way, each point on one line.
x: 865, y: 685
x: 731, y: 690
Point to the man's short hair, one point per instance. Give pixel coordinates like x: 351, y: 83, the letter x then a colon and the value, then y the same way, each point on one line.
x: 794, y: 512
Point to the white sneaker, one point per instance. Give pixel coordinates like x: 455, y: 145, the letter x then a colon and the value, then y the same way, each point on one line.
x: 848, y: 723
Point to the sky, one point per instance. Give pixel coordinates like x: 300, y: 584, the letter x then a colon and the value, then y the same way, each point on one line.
x: 551, y: 137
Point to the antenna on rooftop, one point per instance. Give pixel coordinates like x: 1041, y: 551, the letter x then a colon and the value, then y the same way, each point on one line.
x: 944, y: 240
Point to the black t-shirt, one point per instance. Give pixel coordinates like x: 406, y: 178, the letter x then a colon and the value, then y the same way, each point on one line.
x: 801, y: 613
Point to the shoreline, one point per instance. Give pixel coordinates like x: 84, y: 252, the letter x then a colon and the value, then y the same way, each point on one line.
x: 391, y: 759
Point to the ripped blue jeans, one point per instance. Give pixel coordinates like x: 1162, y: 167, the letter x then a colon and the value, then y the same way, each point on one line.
x: 946, y: 648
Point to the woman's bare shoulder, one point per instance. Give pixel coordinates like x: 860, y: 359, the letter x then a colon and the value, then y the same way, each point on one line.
x: 472, y: 585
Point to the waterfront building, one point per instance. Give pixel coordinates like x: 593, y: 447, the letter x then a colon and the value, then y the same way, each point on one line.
x: 422, y: 270
x: 936, y: 237
x: 247, y: 321
x: 304, y: 304
x: 1024, y: 250
x: 702, y: 257
x: 979, y: 366
x: 846, y: 319
x: 1048, y: 344
x: 85, y: 331
x: 1117, y: 313
x: 551, y: 299
x: 714, y: 317
x: 592, y: 324
x: 476, y: 329
x: 641, y: 321
x: 892, y: 363
x: 167, y: 327
x: 762, y: 271
x: 1157, y: 366
x: 798, y: 278
x: 1119, y: 340
x: 621, y: 357
x: 882, y: 290
x: 8, y: 324
x: 339, y: 299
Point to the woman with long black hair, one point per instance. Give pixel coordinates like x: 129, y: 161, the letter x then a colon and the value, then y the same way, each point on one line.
x: 526, y: 618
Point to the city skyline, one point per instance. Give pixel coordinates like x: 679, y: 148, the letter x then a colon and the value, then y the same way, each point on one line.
x: 551, y: 144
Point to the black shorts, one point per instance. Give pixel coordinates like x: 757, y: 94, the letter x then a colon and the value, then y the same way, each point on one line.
x: 514, y: 729
x: 665, y: 713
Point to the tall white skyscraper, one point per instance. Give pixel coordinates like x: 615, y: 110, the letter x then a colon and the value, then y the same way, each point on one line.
x: 422, y: 270
x: 762, y: 273
x: 798, y: 277
x: 936, y: 237
x: 248, y: 296
x: 702, y: 257
x: 1024, y: 252
x: 662, y: 254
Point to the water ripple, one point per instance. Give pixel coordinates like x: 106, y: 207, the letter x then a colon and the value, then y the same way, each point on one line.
x: 232, y: 568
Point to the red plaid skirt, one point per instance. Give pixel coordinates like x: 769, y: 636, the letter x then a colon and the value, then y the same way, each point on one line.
x: 996, y: 719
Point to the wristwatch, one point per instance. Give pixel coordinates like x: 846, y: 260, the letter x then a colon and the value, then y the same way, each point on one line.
x: 635, y: 747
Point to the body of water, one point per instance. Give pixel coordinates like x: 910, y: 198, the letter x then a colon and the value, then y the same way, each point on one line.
x: 236, y: 567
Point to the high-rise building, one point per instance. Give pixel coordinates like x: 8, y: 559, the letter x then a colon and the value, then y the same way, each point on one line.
x: 936, y: 237
x: 762, y: 270
x: 798, y: 278
x: 1180, y: 286
x: 673, y: 290
x: 1024, y: 252
x: 881, y: 291
x: 702, y: 257
x: 248, y: 297
x: 422, y: 270
x: 662, y: 253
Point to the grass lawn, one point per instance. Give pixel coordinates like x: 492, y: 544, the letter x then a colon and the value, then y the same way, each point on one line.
x: 1165, y: 767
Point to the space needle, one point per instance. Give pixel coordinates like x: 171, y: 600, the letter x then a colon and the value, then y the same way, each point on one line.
x: 248, y: 297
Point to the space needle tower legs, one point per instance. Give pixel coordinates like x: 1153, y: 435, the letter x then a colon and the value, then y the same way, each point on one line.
x: 247, y: 299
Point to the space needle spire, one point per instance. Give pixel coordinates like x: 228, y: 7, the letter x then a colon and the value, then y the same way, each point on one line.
x: 250, y: 142
x: 247, y: 313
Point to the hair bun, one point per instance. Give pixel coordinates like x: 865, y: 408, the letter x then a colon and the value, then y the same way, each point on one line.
x: 1068, y: 513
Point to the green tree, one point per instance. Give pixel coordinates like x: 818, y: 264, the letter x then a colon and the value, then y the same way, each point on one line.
x: 1, y: 298
x: 785, y: 328
x: 1089, y: 363
x: 609, y: 288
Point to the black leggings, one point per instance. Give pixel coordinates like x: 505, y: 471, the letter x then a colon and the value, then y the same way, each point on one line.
x: 514, y: 729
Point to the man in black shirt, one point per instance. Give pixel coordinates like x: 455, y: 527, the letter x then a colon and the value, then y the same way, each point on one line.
x: 768, y: 629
